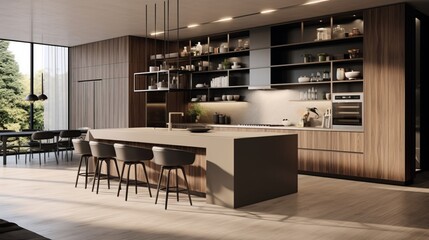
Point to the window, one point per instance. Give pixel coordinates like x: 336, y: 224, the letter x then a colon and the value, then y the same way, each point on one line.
x: 15, y: 70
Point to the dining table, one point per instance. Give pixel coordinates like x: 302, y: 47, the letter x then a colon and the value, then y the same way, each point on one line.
x: 5, y: 135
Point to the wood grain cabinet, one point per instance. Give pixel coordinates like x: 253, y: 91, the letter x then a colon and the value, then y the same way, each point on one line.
x: 314, y: 161
x: 347, y: 141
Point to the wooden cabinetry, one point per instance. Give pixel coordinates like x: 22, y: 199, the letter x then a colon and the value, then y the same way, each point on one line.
x: 325, y: 152
x: 347, y: 141
x: 388, y: 149
x: 99, y: 84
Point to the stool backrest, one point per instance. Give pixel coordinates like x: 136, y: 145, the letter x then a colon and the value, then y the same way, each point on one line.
x: 102, y: 150
x: 81, y: 147
x: 132, y: 153
x: 172, y: 157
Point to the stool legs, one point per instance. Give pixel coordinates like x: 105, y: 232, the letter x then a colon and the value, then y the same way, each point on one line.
x: 147, y: 179
x: 186, y: 183
x: 128, y: 182
x: 177, y: 185
x: 98, y: 168
x: 86, y: 159
x: 96, y: 175
x: 168, y: 187
x: 78, y: 171
x: 120, y: 179
x: 168, y: 184
x: 159, y: 184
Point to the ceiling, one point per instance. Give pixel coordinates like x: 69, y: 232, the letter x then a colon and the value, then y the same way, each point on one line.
x: 76, y: 22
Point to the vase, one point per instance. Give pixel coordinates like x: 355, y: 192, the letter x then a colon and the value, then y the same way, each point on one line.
x: 340, y: 73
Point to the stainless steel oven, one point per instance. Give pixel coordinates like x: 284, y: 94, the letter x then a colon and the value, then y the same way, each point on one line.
x: 347, y: 110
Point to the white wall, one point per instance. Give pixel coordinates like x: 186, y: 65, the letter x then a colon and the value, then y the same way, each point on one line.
x: 266, y: 106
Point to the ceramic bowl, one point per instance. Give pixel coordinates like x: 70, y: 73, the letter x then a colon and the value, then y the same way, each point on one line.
x: 303, y: 79
x: 352, y: 74
x: 236, y: 97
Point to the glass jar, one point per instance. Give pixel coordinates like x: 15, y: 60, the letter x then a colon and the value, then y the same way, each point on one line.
x: 339, y: 32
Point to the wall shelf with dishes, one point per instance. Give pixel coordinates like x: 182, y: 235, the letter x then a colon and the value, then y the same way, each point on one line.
x: 219, y: 95
x: 316, y: 47
x: 161, y: 80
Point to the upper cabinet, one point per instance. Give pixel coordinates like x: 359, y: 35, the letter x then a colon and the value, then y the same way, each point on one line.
x: 260, y: 58
x: 325, y: 53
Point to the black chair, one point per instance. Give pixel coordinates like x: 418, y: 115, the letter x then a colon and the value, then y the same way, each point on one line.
x: 46, y: 142
x: 65, y: 142
x: 12, y: 145
x: 27, y: 145
x: 82, y: 147
x: 169, y: 159
x: 103, y: 153
x: 132, y: 156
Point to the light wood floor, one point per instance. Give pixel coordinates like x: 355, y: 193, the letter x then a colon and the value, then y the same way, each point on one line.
x: 44, y: 199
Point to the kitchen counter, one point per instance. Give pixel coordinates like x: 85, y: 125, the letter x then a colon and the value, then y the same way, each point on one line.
x: 185, y: 125
x: 242, y: 168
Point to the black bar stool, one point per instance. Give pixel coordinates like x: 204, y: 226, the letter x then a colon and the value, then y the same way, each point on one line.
x: 132, y: 156
x: 82, y: 148
x: 169, y: 159
x: 103, y: 153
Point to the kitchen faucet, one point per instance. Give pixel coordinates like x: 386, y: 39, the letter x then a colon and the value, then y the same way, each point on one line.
x: 170, y: 124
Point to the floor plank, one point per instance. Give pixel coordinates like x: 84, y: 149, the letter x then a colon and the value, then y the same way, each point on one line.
x: 43, y: 199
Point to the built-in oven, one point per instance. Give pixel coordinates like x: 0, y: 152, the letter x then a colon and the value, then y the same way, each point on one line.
x: 347, y: 110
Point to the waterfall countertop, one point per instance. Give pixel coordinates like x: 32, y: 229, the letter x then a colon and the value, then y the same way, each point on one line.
x: 234, y: 174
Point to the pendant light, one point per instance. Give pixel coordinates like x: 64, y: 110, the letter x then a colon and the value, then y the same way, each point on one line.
x: 31, y: 97
x: 42, y: 97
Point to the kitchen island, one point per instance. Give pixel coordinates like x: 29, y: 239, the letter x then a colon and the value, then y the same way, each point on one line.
x: 241, y: 168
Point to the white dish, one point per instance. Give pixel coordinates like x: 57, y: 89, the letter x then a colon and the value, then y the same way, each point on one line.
x: 199, y: 85
x: 235, y: 67
x: 352, y: 74
x: 153, y: 68
x: 303, y: 79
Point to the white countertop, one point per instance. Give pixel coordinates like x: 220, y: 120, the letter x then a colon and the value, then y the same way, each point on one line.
x: 279, y: 127
x: 175, y: 137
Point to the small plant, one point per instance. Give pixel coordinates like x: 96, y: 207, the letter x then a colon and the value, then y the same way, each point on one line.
x: 195, y: 110
x: 226, y: 64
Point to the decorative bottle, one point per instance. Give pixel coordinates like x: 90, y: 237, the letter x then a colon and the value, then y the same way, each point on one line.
x: 199, y: 48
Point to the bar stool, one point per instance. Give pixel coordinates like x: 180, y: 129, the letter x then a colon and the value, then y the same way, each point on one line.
x: 132, y: 156
x: 82, y: 148
x: 169, y: 159
x: 103, y: 153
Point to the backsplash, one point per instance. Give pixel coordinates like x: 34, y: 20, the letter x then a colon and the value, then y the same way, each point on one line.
x: 268, y: 107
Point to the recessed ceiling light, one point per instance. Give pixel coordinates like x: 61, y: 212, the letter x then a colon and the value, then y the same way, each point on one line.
x: 224, y: 19
x: 268, y: 11
x: 320, y: 20
x: 314, y: 2
x: 156, y: 33
x: 193, y: 25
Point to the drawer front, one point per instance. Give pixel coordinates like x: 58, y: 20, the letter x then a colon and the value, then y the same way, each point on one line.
x: 347, y: 141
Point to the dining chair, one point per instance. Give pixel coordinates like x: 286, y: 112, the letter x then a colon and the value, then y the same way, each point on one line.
x: 65, y: 142
x: 46, y: 142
